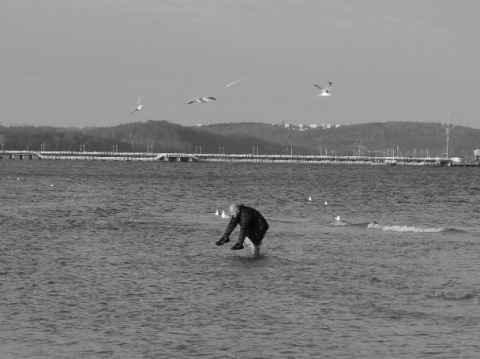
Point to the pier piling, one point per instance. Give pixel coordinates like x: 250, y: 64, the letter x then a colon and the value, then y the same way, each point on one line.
x: 247, y: 158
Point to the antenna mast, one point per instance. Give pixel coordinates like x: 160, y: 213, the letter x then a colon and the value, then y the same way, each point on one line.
x: 358, y: 145
x: 447, y: 127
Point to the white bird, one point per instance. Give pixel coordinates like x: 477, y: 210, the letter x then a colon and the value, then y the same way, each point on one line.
x: 139, y: 107
x: 224, y: 215
x: 326, y: 203
x: 337, y: 218
x: 309, y: 198
x: 324, y: 91
x: 234, y: 82
x: 216, y: 213
x: 202, y: 99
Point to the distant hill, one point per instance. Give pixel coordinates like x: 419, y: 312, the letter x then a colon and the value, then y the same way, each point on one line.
x: 169, y: 137
x: 156, y: 136
x: 403, y: 138
x: 376, y: 138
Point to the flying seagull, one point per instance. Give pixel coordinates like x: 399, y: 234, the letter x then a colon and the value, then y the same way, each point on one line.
x: 139, y: 107
x: 324, y: 91
x: 234, y: 82
x: 202, y: 99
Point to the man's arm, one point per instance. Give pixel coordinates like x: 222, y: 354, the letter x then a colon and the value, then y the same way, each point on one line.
x: 230, y: 227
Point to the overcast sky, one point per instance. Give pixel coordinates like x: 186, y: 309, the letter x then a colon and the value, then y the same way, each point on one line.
x: 80, y: 63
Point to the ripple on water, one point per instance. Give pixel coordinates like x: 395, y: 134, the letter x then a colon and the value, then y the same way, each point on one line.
x: 118, y: 260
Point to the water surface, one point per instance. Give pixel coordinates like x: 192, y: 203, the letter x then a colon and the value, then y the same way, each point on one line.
x: 117, y: 260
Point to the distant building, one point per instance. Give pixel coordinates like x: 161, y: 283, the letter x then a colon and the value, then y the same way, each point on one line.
x: 303, y: 127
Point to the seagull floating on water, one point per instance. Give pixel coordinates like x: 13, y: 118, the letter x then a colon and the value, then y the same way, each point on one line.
x: 324, y: 91
x: 309, y: 198
x: 326, y: 203
x: 224, y: 215
x: 216, y: 213
x: 202, y: 99
x: 338, y: 221
x: 139, y: 107
x: 234, y: 82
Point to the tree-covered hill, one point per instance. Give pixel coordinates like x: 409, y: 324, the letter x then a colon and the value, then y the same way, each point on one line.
x: 401, y: 138
x: 156, y: 136
x: 378, y: 138
x: 165, y: 136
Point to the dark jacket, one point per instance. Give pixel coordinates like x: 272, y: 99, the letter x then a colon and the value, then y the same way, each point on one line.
x: 252, y: 225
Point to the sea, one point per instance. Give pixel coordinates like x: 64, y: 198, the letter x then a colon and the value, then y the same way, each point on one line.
x: 116, y: 259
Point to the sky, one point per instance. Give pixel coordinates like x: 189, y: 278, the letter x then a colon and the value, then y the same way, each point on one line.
x: 82, y: 63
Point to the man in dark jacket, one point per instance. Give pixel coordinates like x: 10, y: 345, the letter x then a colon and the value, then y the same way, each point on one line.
x: 252, y: 226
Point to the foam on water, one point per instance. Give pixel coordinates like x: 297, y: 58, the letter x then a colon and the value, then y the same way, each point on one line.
x: 452, y: 295
x: 404, y: 228
x: 120, y: 261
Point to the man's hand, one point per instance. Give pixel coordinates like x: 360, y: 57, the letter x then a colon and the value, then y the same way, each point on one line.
x: 222, y: 241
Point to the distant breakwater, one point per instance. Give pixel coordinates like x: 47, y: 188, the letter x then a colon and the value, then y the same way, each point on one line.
x: 247, y: 158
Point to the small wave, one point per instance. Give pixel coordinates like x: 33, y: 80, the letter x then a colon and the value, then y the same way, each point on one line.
x: 403, y: 228
x: 452, y: 295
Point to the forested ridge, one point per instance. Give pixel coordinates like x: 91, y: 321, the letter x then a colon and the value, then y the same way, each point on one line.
x: 379, y: 138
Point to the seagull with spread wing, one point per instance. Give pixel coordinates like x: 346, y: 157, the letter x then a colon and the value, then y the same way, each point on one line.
x: 202, y: 99
x: 139, y: 107
x: 324, y: 91
x: 234, y: 82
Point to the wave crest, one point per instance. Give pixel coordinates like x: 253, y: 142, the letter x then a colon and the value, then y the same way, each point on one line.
x: 453, y: 295
x: 403, y: 228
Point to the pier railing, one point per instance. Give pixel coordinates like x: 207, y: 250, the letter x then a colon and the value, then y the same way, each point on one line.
x: 79, y: 155
x: 186, y: 157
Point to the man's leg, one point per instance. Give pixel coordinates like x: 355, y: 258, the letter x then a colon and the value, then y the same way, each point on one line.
x: 259, y: 238
x: 255, y: 249
x: 259, y: 241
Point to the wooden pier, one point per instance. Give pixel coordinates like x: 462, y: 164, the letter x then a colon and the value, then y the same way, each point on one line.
x: 98, y: 156
x: 247, y: 158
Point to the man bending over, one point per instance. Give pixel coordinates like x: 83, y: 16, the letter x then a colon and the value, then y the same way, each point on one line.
x: 252, y: 227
